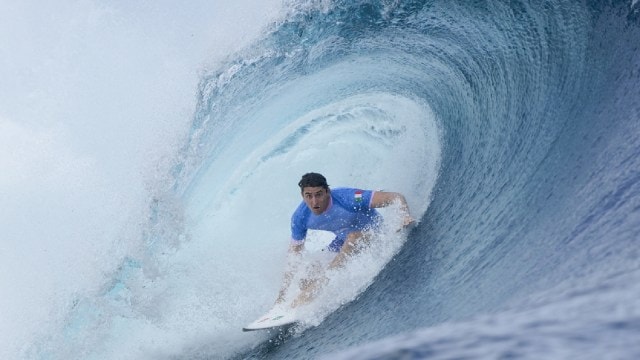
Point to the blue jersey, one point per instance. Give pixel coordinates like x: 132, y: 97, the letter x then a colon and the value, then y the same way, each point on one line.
x: 349, y: 210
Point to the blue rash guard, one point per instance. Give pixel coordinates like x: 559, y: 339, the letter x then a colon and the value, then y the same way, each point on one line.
x: 349, y: 210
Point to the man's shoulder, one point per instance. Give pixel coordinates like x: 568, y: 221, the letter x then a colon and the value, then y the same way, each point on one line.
x: 301, y: 212
x: 347, y: 190
x: 346, y: 195
x: 341, y: 191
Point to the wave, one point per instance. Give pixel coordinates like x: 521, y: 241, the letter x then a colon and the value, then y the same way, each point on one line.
x: 511, y: 127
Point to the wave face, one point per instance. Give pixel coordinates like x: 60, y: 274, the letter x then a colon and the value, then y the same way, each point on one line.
x: 512, y: 128
x: 535, y: 214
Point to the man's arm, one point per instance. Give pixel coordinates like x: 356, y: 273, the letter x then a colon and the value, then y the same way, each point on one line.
x: 386, y: 198
x: 294, y: 250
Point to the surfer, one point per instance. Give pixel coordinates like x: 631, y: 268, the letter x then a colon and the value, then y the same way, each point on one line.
x: 347, y: 212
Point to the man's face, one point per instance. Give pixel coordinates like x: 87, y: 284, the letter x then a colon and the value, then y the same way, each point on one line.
x: 316, y: 198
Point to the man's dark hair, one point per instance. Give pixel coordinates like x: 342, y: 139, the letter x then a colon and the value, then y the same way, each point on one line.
x: 313, y: 180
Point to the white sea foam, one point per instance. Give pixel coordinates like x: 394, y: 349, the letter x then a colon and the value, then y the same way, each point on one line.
x: 94, y: 96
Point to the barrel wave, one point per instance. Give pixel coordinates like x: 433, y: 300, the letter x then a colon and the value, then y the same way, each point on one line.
x: 513, y: 128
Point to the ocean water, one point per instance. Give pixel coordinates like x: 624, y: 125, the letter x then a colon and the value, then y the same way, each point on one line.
x: 147, y: 211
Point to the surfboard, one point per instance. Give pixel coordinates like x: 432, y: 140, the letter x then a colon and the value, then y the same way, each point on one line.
x: 277, y: 317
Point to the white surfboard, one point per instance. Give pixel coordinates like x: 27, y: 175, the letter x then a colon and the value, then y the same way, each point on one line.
x: 277, y: 317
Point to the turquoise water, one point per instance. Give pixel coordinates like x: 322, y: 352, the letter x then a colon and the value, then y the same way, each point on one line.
x: 511, y: 126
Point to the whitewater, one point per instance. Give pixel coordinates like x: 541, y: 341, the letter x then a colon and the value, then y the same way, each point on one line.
x: 150, y: 154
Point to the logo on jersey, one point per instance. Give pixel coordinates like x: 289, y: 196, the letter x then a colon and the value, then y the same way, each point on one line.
x: 358, y: 196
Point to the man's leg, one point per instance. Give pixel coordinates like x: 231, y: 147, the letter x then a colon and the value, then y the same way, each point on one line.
x: 352, y: 245
x: 309, y: 286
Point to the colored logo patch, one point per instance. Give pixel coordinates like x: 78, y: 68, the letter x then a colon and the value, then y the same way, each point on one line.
x: 358, y: 196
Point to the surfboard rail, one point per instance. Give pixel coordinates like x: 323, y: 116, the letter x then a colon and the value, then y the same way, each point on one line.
x: 274, y: 318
